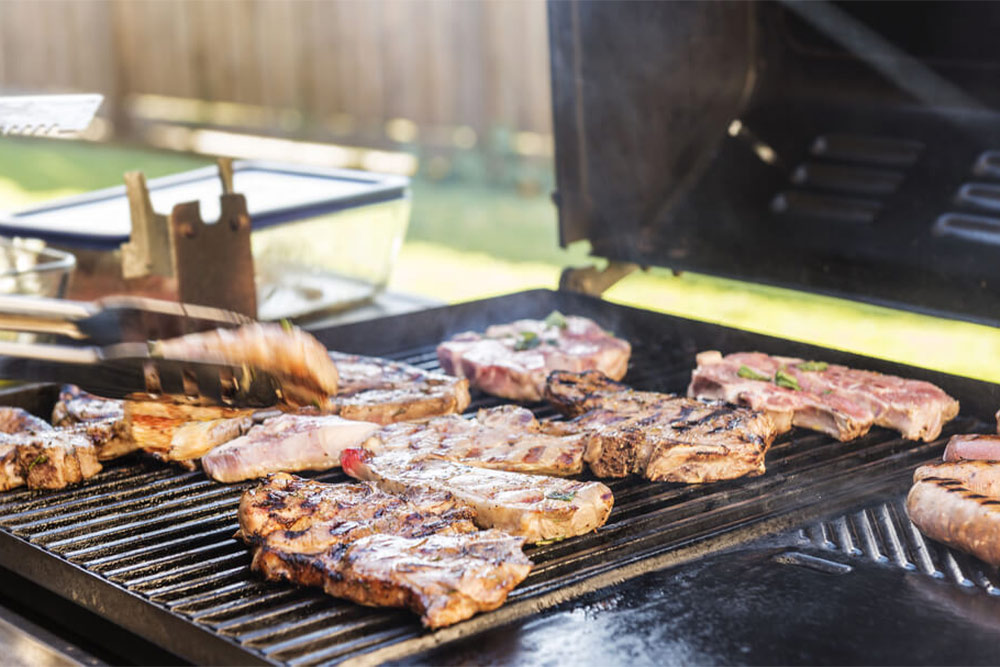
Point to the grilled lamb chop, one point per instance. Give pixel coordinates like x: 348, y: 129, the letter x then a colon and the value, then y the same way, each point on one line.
x: 287, y: 443
x: 664, y: 437
x: 384, y: 392
x: 17, y: 420
x: 513, y: 360
x: 297, y: 360
x: 532, y: 506
x: 419, y: 551
x: 76, y: 406
x: 503, y: 438
x: 46, y: 459
x: 837, y: 400
x: 100, y: 419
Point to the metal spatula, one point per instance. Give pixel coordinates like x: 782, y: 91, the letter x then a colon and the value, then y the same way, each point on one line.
x: 122, y: 364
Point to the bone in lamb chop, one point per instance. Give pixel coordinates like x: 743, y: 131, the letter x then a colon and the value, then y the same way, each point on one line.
x: 34, y: 454
x: 536, y: 507
x: 664, y: 437
x: 840, y: 401
x: 418, y: 550
x: 513, y: 360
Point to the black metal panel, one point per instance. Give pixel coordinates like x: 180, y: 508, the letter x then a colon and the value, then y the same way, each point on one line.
x: 844, y: 148
x: 150, y: 547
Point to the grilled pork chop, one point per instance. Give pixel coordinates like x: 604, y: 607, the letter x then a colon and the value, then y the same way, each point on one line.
x: 532, y: 506
x: 513, y: 360
x: 195, y: 439
x: 100, y: 419
x: 664, y: 437
x: 837, y: 400
x: 287, y: 443
x: 33, y: 453
x: 297, y: 360
x: 419, y: 550
x: 383, y: 391
x: 503, y: 438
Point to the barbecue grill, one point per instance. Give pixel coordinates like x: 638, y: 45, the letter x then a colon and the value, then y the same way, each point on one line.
x: 761, y: 141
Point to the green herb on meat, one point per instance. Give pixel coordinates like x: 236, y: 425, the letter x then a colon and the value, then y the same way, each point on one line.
x: 527, y: 341
x: 750, y: 374
x: 41, y: 458
x: 285, y: 324
x: 783, y: 379
x: 561, y: 495
x: 813, y: 366
x: 556, y: 319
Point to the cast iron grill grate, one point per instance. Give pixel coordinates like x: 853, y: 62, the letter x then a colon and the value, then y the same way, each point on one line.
x: 883, y: 534
x: 154, y: 544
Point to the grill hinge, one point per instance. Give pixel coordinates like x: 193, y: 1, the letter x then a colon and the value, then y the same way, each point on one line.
x: 593, y: 281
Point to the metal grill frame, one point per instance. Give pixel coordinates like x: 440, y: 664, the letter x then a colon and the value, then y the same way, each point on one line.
x: 654, y: 525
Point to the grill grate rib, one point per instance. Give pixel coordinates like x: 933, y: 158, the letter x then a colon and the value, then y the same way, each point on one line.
x: 166, y: 535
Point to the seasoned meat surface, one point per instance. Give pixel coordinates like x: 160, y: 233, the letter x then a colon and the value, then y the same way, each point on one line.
x: 384, y: 391
x: 837, y: 400
x: 46, y: 459
x: 195, y: 439
x: 417, y: 550
x: 286, y: 443
x: 513, y: 360
x: 17, y: 420
x: 76, y: 406
x: 503, y: 438
x: 535, y: 507
x: 664, y: 437
x: 297, y: 360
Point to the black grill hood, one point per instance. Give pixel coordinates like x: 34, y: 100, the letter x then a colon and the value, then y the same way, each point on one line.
x: 850, y: 149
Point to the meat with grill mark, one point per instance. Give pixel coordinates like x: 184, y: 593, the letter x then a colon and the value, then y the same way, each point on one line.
x: 661, y: 436
x: 385, y: 392
x: 418, y: 550
x: 533, y: 506
x: 501, y: 438
x: 512, y: 360
x: 34, y: 454
x: 842, y: 402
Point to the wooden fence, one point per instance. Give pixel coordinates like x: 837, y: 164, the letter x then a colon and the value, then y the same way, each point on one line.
x: 345, y: 66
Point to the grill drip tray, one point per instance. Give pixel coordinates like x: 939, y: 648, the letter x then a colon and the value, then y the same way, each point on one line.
x: 150, y: 547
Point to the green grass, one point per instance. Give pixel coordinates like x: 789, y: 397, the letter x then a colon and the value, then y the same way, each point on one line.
x: 469, y: 241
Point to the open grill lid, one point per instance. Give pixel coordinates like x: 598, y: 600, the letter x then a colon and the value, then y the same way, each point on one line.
x: 850, y: 149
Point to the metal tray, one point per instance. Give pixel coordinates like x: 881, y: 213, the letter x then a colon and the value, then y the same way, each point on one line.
x: 150, y: 548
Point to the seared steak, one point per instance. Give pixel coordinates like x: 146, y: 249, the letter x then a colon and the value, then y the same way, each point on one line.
x: 418, y: 551
x: 383, y: 391
x: 837, y: 400
x: 532, y: 506
x: 513, y: 360
x: 503, y: 438
x: 287, y: 443
x: 297, y: 360
x: 664, y: 437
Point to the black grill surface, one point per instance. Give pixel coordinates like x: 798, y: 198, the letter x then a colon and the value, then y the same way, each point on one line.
x: 150, y: 547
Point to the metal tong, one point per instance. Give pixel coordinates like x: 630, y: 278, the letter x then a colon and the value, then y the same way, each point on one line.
x: 119, y: 361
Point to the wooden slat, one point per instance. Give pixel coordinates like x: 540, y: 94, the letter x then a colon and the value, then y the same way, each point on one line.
x: 438, y: 63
